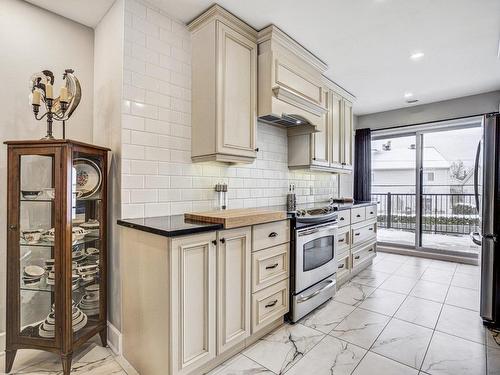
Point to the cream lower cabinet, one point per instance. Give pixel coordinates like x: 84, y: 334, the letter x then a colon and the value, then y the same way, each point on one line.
x: 356, y: 241
x: 193, y: 302
x: 233, y: 287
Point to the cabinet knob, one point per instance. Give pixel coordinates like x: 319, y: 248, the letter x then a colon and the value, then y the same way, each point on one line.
x: 313, y: 158
x: 356, y: 257
x: 343, y: 163
x: 257, y: 149
x: 358, y: 215
x: 341, y: 266
x: 222, y: 240
x: 12, y: 227
x: 370, y: 228
x: 273, y: 234
x: 357, y: 234
x: 271, y: 304
x: 341, y: 219
x: 214, y: 242
x: 370, y: 249
x: 342, y: 240
x: 371, y: 212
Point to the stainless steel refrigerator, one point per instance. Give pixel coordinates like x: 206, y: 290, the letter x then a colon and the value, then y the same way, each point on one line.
x: 487, y: 186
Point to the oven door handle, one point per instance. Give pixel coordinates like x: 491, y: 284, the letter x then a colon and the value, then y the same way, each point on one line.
x: 323, y: 228
x: 302, y: 298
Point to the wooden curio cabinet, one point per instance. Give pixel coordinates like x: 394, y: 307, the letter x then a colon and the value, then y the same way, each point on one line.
x: 56, y: 247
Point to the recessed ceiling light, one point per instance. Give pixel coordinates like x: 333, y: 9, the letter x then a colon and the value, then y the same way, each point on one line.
x: 408, y: 95
x: 416, y: 56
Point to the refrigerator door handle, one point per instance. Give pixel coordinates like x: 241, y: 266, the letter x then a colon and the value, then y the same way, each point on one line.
x: 490, y: 236
x: 476, y: 238
x: 476, y: 177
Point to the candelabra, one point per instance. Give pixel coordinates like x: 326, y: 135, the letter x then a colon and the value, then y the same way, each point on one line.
x: 51, y: 116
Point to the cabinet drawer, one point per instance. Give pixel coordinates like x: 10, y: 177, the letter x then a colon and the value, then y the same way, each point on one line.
x: 358, y: 214
x: 342, y: 267
x: 270, y: 234
x: 363, y: 254
x: 371, y: 212
x: 344, y: 218
x: 363, y: 233
x: 269, y: 304
x: 343, y: 241
x: 269, y: 266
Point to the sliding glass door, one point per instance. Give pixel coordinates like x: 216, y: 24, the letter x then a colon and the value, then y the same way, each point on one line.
x: 423, y: 183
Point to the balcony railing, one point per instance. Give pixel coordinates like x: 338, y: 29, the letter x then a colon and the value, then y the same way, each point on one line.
x: 453, y: 213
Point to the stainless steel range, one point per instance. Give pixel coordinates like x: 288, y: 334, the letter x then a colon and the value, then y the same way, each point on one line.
x: 313, y: 259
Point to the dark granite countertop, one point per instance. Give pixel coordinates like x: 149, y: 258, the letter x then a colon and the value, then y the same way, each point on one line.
x: 169, y: 226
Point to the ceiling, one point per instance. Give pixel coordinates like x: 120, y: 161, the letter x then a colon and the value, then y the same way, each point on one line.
x: 86, y: 12
x: 367, y: 43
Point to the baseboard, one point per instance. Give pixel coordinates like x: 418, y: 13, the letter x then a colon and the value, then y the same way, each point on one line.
x: 114, y: 339
x: 425, y: 254
x: 129, y: 369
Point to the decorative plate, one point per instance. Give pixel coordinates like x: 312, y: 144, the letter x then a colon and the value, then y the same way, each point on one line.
x: 88, y: 177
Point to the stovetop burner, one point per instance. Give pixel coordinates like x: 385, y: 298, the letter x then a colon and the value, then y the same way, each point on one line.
x: 316, y: 214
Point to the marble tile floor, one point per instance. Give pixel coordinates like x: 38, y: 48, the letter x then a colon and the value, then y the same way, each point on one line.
x: 402, y: 315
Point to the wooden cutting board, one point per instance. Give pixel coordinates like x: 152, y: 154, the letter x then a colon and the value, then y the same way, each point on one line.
x: 239, y: 217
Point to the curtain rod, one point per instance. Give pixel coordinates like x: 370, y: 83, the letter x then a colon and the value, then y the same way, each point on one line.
x: 432, y: 122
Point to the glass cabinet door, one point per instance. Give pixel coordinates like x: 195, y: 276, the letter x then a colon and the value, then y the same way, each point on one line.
x: 37, y: 246
x: 88, y: 240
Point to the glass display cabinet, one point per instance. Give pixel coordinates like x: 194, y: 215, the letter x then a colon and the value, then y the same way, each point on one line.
x: 56, y: 247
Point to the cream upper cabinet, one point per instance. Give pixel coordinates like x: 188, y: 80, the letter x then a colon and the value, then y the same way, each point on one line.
x: 321, y: 140
x: 224, y: 88
x: 334, y: 115
x: 233, y: 287
x: 193, y: 298
x: 347, y: 129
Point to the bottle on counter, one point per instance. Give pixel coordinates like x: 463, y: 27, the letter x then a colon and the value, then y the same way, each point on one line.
x: 291, y: 199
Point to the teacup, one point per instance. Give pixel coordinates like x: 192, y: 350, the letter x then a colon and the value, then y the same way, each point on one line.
x: 31, y: 236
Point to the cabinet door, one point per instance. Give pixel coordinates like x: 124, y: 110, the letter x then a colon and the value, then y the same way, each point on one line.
x: 336, y: 109
x: 320, y: 140
x: 233, y: 286
x: 193, y: 301
x: 237, y: 93
x: 347, y: 129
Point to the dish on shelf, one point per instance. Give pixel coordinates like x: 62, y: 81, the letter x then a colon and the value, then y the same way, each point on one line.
x: 92, y: 288
x: 92, y: 251
x: 91, y: 224
x: 47, y: 328
x: 88, y: 176
x: 31, y: 194
x: 88, y: 269
x: 31, y: 236
x: 78, y: 234
x: 34, y: 271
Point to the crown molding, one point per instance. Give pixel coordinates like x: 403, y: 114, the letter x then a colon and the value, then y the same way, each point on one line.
x: 338, y: 89
x: 273, y: 33
x: 216, y: 12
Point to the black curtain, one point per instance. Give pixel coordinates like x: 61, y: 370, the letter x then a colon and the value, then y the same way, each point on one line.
x: 362, y: 165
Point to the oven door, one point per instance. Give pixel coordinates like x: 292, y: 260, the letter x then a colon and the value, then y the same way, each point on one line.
x: 315, y: 255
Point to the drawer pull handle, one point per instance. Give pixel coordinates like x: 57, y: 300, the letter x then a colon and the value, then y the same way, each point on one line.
x: 272, y: 304
x: 341, y: 266
x: 370, y: 250
x: 273, y: 266
x: 357, y: 233
x: 356, y: 257
x: 342, y: 219
x: 370, y: 228
x: 358, y: 215
x: 342, y: 240
x: 273, y: 234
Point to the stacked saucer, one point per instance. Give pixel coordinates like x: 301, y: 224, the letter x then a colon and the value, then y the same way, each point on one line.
x: 89, y: 303
x: 32, y: 275
x: 47, y: 328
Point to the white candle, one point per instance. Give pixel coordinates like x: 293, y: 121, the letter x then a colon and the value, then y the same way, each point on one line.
x: 48, y: 91
x: 63, y: 94
x: 36, y: 98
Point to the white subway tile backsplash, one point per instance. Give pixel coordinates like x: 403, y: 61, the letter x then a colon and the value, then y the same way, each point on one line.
x: 158, y: 175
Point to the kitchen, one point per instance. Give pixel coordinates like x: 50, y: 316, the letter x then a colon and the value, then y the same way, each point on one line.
x: 170, y: 150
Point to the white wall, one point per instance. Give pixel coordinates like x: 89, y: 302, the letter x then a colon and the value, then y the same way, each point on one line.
x: 31, y: 40
x: 158, y: 176
x: 108, y: 83
x: 448, y: 109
